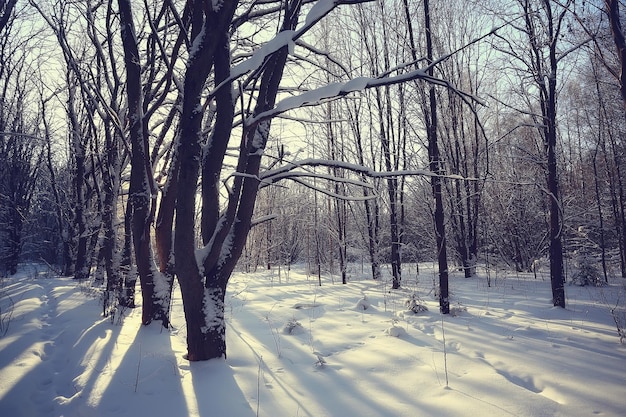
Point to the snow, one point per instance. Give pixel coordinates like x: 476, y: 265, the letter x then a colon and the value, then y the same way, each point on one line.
x: 213, y: 309
x: 284, y: 38
x: 197, y: 42
x: 507, y: 351
x: 217, y: 5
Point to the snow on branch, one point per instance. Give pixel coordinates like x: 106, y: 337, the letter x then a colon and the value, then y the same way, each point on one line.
x: 300, y: 174
x: 259, y: 220
x: 284, y: 38
x: 340, y: 89
x: 337, y: 90
x: 294, y: 169
x: 332, y: 194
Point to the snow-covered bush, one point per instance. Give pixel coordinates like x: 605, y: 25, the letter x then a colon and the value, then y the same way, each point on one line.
x: 415, y: 304
x: 619, y: 317
x: 293, y: 327
x: 320, y: 362
x: 7, y: 307
x: 457, y: 309
x: 395, y: 331
x: 587, y: 273
x: 363, y: 303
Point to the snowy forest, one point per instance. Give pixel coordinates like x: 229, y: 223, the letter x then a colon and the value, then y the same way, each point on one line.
x: 156, y: 148
x: 400, y: 134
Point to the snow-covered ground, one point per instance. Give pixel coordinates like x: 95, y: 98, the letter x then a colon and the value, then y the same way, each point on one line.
x: 506, y: 351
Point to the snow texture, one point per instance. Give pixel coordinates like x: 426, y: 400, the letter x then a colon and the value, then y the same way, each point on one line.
x: 213, y: 310
x: 284, y: 38
x: 320, y: 9
x: 197, y: 43
x: 509, y: 354
x: 217, y: 5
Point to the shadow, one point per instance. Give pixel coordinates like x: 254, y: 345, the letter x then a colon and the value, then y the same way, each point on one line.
x: 214, y: 391
x: 142, y: 377
x: 22, y: 319
x: 341, y: 386
x: 53, y: 356
x: 148, y: 376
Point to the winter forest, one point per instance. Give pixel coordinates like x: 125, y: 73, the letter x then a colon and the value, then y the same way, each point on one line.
x: 161, y: 158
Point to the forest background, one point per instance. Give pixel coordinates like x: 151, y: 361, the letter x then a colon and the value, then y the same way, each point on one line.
x: 181, y: 140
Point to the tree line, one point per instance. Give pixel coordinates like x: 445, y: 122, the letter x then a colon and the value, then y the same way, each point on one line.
x: 165, y: 141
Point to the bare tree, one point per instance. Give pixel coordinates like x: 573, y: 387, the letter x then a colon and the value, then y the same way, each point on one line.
x: 613, y: 12
x: 21, y: 149
x: 6, y: 10
x: 543, y: 23
x: 155, y: 288
x: 435, y: 163
x: 539, y: 56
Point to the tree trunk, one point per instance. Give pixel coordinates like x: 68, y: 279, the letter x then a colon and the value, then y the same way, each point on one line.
x: 127, y: 267
x: 557, y: 277
x: 6, y: 12
x: 203, y: 283
x: 78, y: 151
x: 111, y: 184
x: 205, y: 340
x: 435, y: 167
x: 613, y: 13
x: 142, y: 195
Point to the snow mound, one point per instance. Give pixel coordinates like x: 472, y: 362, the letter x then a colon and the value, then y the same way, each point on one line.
x: 395, y: 331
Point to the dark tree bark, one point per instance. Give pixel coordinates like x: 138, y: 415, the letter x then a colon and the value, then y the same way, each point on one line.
x: 204, y: 310
x: 142, y: 193
x: 78, y: 149
x: 613, y: 12
x: 545, y: 73
x: 127, y: 266
x: 203, y: 286
x: 436, y: 167
x: 6, y: 10
x: 66, y: 260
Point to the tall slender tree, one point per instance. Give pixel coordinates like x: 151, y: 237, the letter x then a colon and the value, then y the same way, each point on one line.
x: 142, y: 192
x: 434, y: 157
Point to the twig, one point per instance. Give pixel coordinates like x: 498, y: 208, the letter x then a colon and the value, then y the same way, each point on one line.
x: 138, y: 367
x: 258, y: 387
x: 445, y: 351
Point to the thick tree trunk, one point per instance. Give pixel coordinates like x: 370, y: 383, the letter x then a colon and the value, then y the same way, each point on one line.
x: 204, y: 340
x: 6, y: 12
x: 142, y: 196
x: 204, y: 313
x: 557, y: 278
x: 203, y: 284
